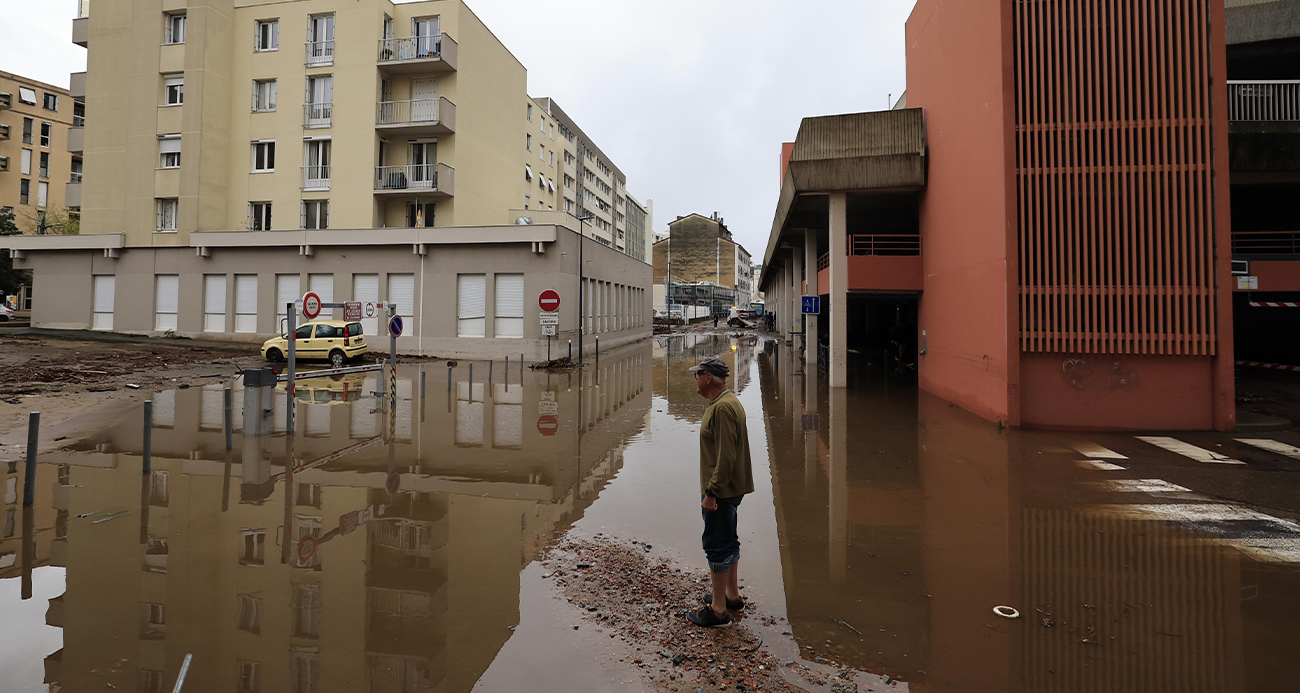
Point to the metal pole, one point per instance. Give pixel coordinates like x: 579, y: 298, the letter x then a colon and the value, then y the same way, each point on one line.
x: 229, y: 399
x: 421, y: 382
x: 570, y: 349
x: 489, y: 370
x: 471, y: 376
x: 582, y: 292
x: 291, y: 386
x: 185, y: 669
x: 148, y: 436
x: 521, y: 369
x: 597, y: 351
x: 29, y: 473
x: 448, y: 377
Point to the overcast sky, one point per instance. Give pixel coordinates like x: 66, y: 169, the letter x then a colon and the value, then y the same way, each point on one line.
x: 690, y: 98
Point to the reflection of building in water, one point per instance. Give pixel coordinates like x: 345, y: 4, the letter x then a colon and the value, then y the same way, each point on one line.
x: 412, y: 590
x: 675, y: 354
x: 915, y: 523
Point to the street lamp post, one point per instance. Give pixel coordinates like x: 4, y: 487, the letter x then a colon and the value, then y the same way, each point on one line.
x: 582, y: 281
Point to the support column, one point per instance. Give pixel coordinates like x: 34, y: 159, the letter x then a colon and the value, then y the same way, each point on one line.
x: 810, y: 321
x: 810, y: 436
x: 839, y: 289
x: 796, y: 300
x: 838, y: 498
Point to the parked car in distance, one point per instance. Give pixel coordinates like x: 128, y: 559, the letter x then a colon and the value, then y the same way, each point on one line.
x: 333, y: 340
x: 6, y: 313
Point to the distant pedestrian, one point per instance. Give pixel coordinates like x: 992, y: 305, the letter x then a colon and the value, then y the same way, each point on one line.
x: 715, y: 321
x: 725, y: 478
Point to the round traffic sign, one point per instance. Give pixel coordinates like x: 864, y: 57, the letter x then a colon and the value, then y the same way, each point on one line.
x: 311, y: 305
x: 548, y: 424
x: 395, y: 326
x: 306, y: 549
x: 549, y: 301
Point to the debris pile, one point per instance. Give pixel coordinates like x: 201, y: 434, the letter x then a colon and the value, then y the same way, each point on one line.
x: 560, y: 364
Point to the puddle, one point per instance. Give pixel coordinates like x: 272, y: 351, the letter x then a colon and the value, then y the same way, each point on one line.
x: 399, y: 550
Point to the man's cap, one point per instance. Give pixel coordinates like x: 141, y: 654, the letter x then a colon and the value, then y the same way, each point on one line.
x: 713, y: 366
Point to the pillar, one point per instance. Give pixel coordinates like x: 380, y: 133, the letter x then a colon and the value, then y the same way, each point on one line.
x: 810, y: 436
x: 796, y: 296
x: 810, y: 321
x: 838, y: 486
x: 839, y: 289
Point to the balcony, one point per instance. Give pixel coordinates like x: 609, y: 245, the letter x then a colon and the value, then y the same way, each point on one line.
x: 419, y: 180
x: 319, y: 53
x: 878, y: 262
x: 418, y: 117
x: 315, y: 178
x: 72, y: 193
x: 317, y: 115
x: 76, y: 140
x: 1264, y: 101
x: 81, y: 31
x: 77, y: 86
x: 418, y: 54
x: 6, y: 100
x: 1265, y: 242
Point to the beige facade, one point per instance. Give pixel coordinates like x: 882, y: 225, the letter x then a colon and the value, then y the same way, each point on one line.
x: 38, y: 175
x: 699, y: 253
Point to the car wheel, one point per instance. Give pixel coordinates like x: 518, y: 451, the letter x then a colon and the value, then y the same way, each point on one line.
x: 274, y: 355
x: 338, y: 359
x: 4, y: 318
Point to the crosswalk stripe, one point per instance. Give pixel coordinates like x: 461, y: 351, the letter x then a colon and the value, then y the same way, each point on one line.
x: 1099, y: 466
x: 1139, y: 486
x: 1096, y: 451
x: 1188, y: 450
x: 1272, y: 446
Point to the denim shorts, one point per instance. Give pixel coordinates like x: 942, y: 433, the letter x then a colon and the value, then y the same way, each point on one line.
x: 721, y: 543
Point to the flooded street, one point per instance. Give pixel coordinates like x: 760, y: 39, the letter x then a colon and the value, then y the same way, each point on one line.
x: 399, y: 551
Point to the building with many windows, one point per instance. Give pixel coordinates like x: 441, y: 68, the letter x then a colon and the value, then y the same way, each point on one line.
x: 699, y: 264
x: 217, y: 198
x: 38, y: 174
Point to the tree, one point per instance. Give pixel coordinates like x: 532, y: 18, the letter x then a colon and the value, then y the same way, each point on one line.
x: 10, y: 279
x: 55, y: 221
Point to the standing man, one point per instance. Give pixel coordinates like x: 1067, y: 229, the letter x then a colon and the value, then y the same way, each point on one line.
x: 725, y: 478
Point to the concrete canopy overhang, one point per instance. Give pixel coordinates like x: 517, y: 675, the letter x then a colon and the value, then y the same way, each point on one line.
x: 877, y: 151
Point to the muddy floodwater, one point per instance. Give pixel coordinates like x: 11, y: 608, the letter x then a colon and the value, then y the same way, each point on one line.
x: 397, y: 546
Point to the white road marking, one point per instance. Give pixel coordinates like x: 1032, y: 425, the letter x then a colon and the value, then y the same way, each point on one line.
x: 1096, y: 451
x: 1188, y: 450
x: 1269, y: 549
x: 1196, y: 512
x: 1139, y: 486
x: 1272, y: 446
x: 1099, y: 466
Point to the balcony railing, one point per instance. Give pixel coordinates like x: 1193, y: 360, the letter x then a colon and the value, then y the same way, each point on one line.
x: 884, y: 244
x: 410, y: 48
x: 414, y: 177
x: 402, y: 112
x: 1265, y: 242
x: 76, y: 177
x: 320, y: 52
x: 315, y: 177
x: 317, y: 115
x: 1264, y: 101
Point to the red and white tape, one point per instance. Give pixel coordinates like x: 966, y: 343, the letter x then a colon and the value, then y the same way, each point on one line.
x: 1274, y: 304
x: 1274, y: 366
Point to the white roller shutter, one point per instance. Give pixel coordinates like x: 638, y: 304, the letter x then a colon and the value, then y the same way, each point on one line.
x: 365, y: 422
x: 318, y: 419
x: 214, y: 303
x: 401, y: 290
x: 288, y: 288
x: 510, y: 306
x: 164, y: 409
x: 507, y: 416
x: 322, y: 285
x: 365, y: 288
x: 246, y: 303
x: 167, y: 301
x: 471, y: 304
x: 212, y: 408
x: 105, y: 290
x: 469, y: 423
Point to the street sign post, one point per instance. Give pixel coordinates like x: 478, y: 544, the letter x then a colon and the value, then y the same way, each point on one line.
x: 311, y: 305
x: 352, y: 311
x: 549, y: 301
x: 395, y: 326
x: 549, y: 330
x: 550, y: 318
x: 548, y: 424
x: 812, y: 305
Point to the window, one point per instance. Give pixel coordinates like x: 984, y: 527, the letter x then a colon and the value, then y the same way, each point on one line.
x: 315, y: 214
x: 167, y: 207
x: 306, y: 611
x: 309, y: 494
x: 530, y: 113
x: 568, y: 181
x: 304, y: 669
x: 471, y: 305
x: 45, y: 165
x: 320, y: 40
x: 541, y: 152
x: 527, y: 200
x: 316, y: 174
x: 263, y: 95
x: 288, y: 289
x: 42, y: 196
x: 169, y: 151
x: 568, y: 205
x: 159, y: 495
x: 568, y: 158
x: 420, y: 215
x: 166, y: 302
x: 250, y: 614
x: 45, y: 134
x: 214, y: 303
x: 250, y: 676
x: 510, y: 306
x: 319, y: 101
x: 254, y: 548
x: 104, y: 290
x: 27, y: 95
x: 267, y: 36
x: 174, y: 90
x: 401, y: 290
x: 263, y: 156
x: 528, y: 172
x: 528, y: 142
x: 174, y: 29
x: 28, y: 124
x: 259, y: 216
x: 246, y: 303
x: 25, y: 163
x: 78, y: 114
x: 552, y: 157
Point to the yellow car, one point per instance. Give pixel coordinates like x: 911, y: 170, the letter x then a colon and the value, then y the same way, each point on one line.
x: 332, y: 340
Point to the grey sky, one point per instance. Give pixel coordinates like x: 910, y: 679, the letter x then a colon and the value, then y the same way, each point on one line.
x: 691, y: 98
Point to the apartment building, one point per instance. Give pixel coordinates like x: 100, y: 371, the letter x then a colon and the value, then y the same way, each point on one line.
x: 38, y: 174
x: 361, y: 149
x: 699, y: 264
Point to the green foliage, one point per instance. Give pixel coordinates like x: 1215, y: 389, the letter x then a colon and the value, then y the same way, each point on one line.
x: 10, y: 279
x: 55, y: 221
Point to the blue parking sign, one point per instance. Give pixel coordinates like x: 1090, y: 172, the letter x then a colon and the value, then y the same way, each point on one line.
x: 395, y: 326
x: 812, y: 305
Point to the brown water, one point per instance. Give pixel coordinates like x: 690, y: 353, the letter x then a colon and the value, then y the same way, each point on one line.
x: 885, y: 528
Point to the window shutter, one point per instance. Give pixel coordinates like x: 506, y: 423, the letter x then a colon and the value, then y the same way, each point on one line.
x: 169, y: 144
x: 401, y: 290
x: 471, y: 305
x: 287, y: 289
x: 105, y: 288
x: 509, y: 305
x: 214, y: 294
x: 322, y: 285
x: 246, y: 303
x: 365, y: 288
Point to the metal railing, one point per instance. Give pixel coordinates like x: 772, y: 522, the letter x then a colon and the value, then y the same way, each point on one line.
x: 884, y: 244
x: 320, y: 52
x: 400, y: 112
x: 317, y: 115
x: 410, y: 48
x: 1270, y: 242
x: 315, y: 177
x: 1264, y: 101
x: 76, y: 177
x: 407, y: 177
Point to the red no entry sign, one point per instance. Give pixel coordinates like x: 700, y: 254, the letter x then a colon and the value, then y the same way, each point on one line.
x: 548, y: 424
x: 311, y: 305
x: 549, y: 301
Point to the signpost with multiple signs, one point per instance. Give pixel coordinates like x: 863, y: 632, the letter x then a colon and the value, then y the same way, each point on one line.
x: 549, y: 301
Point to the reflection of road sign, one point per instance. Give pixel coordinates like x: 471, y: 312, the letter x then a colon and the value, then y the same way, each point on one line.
x: 548, y: 424
x: 352, y: 310
x: 395, y: 326
x: 349, y: 523
x: 393, y: 483
x: 548, y: 407
x: 306, y: 549
x: 812, y: 422
x: 548, y: 330
x: 549, y: 301
x: 548, y: 395
x: 812, y: 305
x: 311, y: 305
x: 550, y: 318
x: 371, y: 309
